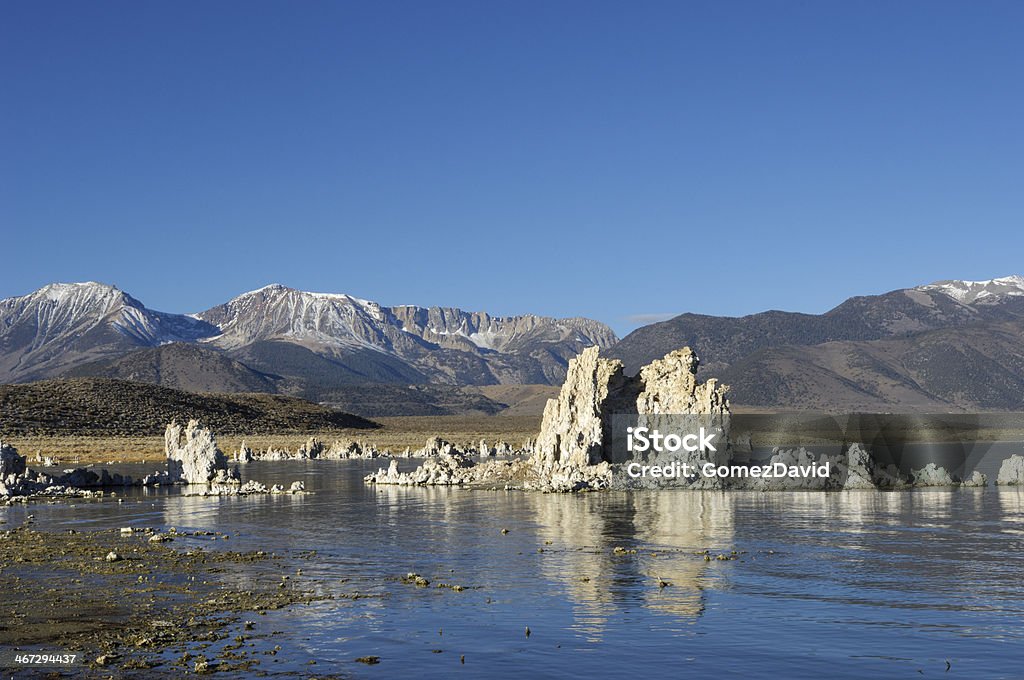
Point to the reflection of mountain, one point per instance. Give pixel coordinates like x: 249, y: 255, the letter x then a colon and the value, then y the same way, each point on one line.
x: 667, y: 528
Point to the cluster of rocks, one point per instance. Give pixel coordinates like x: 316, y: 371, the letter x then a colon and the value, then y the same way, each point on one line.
x: 1011, y: 472
x: 250, y: 488
x: 18, y: 482
x: 193, y: 458
x: 574, y: 452
x: 315, y: 449
x: 852, y: 469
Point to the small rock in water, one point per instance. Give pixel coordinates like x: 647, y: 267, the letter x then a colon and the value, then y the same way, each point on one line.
x: 113, y: 557
x: 368, y: 660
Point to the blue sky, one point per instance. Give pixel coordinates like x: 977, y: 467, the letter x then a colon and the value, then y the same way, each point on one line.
x: 603, y: 159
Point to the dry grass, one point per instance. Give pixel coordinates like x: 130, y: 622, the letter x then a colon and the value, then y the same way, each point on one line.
x: 397, y: 434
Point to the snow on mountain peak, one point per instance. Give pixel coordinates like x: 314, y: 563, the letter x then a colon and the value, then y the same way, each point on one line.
x: 81, y: 292
x: 982, y: 292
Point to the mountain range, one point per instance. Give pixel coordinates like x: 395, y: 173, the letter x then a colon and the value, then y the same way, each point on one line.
x: 950, y: 345
x: 278, y: 339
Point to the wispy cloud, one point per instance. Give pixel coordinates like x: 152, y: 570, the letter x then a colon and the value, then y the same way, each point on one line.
x: 651, y: 318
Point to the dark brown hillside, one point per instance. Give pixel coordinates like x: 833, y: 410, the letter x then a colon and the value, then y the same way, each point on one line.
x: 99, y: 406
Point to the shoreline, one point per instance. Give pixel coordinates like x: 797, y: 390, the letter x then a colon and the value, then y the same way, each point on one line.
x: 128, y: 601
x: 396, y: 434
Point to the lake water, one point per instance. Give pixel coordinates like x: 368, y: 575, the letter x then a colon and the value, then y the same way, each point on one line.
x: 862, y: 584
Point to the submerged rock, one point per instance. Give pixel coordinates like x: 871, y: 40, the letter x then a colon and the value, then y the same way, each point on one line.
x: 250, y: 488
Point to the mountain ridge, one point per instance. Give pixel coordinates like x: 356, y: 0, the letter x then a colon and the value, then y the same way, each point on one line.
x: 901, y: 349
x: 331, y: 338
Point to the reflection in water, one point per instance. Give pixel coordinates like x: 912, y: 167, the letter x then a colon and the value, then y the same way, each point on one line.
x: 894, y: 582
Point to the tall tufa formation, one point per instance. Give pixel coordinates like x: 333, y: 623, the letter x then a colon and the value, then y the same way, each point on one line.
x: 577, y: 425
x: 193, y: 456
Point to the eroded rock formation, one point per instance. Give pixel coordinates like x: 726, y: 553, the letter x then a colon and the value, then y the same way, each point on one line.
x: 577, y: 425
x: 194, y: 458
x: 572, y: 452
x: 1011, y: 472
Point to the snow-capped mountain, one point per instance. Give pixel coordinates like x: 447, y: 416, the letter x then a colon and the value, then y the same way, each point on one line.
x: 400, y: 344
x: 65, y: 324
x: 980, y: 292
x: 277, y: 312
x: 315, y: 340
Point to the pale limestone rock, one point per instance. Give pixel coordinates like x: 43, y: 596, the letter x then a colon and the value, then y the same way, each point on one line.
x: 575, y: 424
x: 932, y: 475
x: 976, y: 479
x: 244, y: 454
x: 1011, y: 472
x: 670, y: 386
x: 437, y: 446
x: 341, y: 450
x: 570, y: 453
x: 313, y: 448
x: 859, y: 472
x: 193, y: 456
x: 275, y: 454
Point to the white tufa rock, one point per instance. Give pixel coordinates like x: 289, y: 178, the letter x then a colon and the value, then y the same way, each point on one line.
x: 193, y: 456
x: 570, y: 453
x: 976, y: 479
x: 1011, y: 472
x: 933, y: 475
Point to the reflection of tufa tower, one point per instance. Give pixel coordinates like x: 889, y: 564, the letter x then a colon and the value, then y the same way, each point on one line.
x: 671, y: 526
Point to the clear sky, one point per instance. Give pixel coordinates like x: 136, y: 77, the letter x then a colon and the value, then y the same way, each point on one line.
x: 605, y: 159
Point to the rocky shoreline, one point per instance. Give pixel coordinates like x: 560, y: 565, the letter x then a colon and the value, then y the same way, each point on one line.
x: 193, y: 459
x: 573, y: 451
x: 129, y: 601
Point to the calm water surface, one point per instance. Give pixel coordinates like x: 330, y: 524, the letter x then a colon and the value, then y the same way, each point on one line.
x: 863, y: 584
